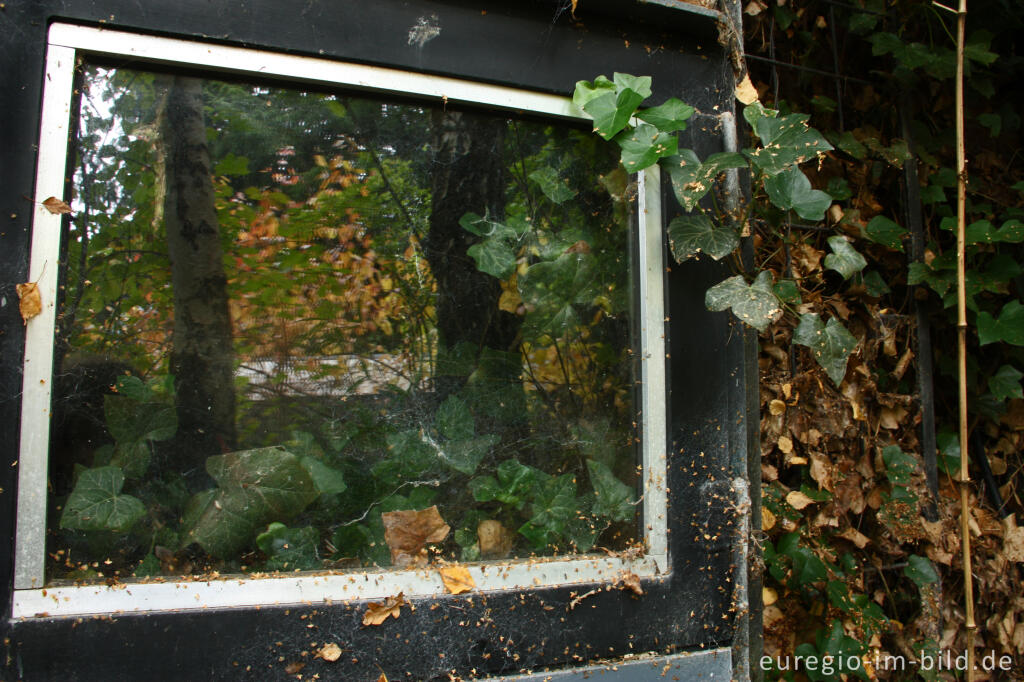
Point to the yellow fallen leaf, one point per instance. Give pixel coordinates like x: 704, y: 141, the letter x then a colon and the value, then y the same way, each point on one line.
x: 767, y: 519
x: 769, y: 596
x: 856, y: 537
x: 378, y: 612
x: 56, y: 206
x: 456, y: 579
x: 30, y: 304
x: 330, y: 652
x: 382, y: 678
x: 745, y: 91
x: 785, y: 445
x: 776, y: 407
x: 798, y: 500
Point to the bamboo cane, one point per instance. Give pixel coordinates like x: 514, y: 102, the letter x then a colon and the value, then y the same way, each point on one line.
x: 961, y: 302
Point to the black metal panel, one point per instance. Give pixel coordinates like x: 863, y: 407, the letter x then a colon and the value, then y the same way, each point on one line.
x: 537, y: 45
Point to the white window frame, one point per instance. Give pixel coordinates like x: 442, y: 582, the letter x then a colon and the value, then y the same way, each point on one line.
x: 67, y: 43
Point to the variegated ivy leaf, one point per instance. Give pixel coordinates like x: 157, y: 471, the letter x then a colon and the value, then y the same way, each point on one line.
x: 696, y: 233
x: 755, y: 304
x: 692, y: 180
x: 844, y: 259
x: 831, y: 344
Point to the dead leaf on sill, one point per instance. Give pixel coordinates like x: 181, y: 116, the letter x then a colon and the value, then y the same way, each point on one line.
x: 457, y: 579
x: 377, y: 612
x: 408, y: 532
x: 30, y: 303
x: 56, y: 206
x: 630, y: 581
x: 330, y: 652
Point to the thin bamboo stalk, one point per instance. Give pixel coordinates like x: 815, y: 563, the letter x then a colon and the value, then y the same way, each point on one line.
x: 961, y: 303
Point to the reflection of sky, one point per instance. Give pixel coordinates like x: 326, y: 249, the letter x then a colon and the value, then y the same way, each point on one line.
x: 97, y: 100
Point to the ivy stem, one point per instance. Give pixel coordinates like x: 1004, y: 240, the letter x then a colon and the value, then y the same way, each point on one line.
x: 961, y: 304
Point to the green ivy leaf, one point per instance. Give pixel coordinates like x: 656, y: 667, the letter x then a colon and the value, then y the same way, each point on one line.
x: 129, y: 420
x: 791, y: 189
x: 831, y: 344
x: 256, y: 486
x: 755, y: 304
x: 494, y: 257
x: 612, y: 111
x: 638, y: 84
x: 328, y: 480
x: 96, y: 503
x: 550, y: 289
x: 787, y: 291
x: 752, y: 113
x: 696, y: 233
x: 1009, y: 327
x: 587, y: 91
x: 844, y: 259
x: 899, y: 466
x: 1005, y: 383
x: 554, y: 188
x: 453, y: 419
x: 644, y: 145
x: 886, y: 232
x: 288, y: 549
x: 920, y: 570
x: 613, y: 498
x: 513, y: 485
x: 692, y: 180
x: 553, y: 508
x: 669, y: 117
x: 787, y: 140
x: 465, y: 455
x: 875, y: 285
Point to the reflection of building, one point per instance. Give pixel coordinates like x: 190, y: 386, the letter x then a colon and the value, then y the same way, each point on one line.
x: 333, y: 377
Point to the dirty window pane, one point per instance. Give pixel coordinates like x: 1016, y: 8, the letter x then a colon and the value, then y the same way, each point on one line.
x: 308, y: 331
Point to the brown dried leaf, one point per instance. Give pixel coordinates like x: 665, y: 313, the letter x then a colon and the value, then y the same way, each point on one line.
x: 1013, y: 545
x: 377, y: 612
x: 798, y: 500
x: 408, y: 532
x: 767, y: 519
x: 776, y: 407
x: 890, y: 417
x: 330, y: 652
x: 294, y: 668
x: 457, y: 579
x: 56, y: 206
x: 855, y: 536
x: 821, y: 470
x: 382, y: 678
x: 495, y: 540
x: 745, y: 90
x: 30, y: 303
x: 785, y: 445
x: 630, y: 581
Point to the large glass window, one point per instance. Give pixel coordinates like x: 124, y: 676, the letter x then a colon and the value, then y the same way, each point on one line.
x: 331, y: 330
x: 303, y: 331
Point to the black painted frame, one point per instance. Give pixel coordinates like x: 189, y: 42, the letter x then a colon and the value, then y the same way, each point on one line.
x: 711, y: 368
